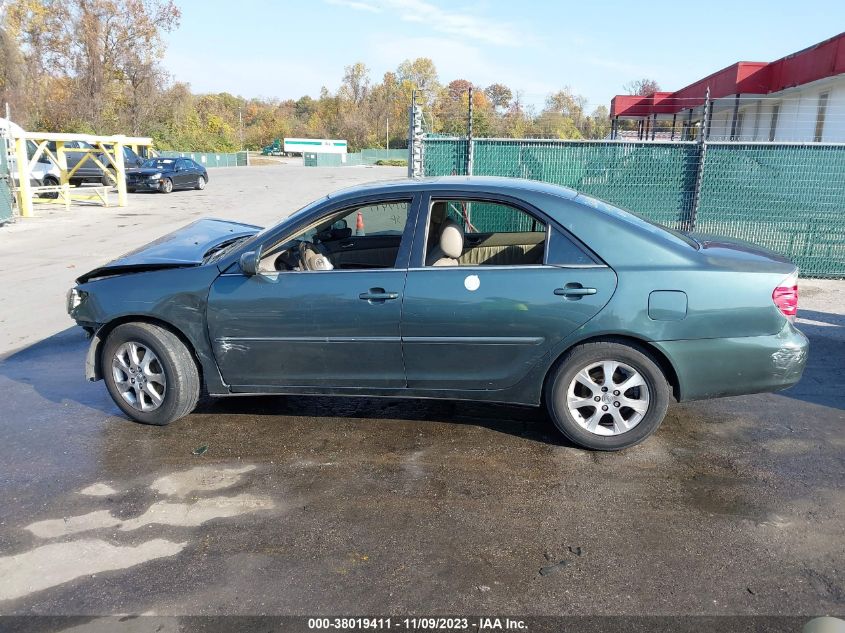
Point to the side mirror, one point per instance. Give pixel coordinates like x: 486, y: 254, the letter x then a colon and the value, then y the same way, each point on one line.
x: 249, y: 263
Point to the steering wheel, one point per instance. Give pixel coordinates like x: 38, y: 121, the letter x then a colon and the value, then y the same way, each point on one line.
x: 314, y: 256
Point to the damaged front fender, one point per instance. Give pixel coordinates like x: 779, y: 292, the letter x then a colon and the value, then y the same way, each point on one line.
x: 93, y: 369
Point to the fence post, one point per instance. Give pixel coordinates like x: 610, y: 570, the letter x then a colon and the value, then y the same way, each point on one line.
x: 699, y: 168
x: 415, y: 140
x: 469, y: 134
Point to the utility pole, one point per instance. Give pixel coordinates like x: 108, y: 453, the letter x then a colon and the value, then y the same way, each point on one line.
x: 241, y: 126
x: 469, y: 134
x: 387, y: 135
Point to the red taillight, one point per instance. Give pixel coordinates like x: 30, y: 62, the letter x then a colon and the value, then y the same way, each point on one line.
x: 785, y: 297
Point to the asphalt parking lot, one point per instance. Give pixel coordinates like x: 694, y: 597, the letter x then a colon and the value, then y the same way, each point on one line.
x: 292, y: 505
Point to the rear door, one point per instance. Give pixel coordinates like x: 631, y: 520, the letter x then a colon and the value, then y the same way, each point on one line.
x: 486, y: 322
x: 183, y: 177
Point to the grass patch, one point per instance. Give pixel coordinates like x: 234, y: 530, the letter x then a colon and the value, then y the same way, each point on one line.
x: 393, y: 162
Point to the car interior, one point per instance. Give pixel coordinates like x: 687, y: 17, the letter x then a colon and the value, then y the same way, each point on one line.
x: 366, y: 237
x: 467, y: 233
x: 460, y: 233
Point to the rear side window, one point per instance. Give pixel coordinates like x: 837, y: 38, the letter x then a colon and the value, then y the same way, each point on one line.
x: 563, y: 251
x: 491, y: 217
x: 494, y: 234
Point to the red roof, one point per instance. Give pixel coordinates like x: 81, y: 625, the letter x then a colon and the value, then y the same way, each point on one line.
x: 825, y: 59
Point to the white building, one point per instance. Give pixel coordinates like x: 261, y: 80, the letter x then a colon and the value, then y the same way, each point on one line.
x: 798, y: 98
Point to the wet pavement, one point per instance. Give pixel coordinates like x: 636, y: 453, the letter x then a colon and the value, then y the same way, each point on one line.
x: 361, y: 506
x: 290, y: 505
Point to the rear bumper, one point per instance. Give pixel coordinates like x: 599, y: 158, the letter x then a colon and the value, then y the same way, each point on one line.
x: 711, y: 368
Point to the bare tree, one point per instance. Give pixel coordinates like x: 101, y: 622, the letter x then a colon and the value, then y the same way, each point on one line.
x: 641, y: 87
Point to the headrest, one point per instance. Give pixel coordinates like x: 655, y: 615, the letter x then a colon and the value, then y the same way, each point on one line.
x: 452, y: 239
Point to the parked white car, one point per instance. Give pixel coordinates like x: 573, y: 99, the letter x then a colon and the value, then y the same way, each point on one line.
x: 44, y: 173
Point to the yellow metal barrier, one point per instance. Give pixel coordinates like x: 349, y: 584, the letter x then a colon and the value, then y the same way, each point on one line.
x: 109, y: 147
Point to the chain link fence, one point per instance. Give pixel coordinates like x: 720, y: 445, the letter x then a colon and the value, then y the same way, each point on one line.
x: 789, y: 198
x: 211, y: 159
x: 364, y: 157
x: 6, y: 194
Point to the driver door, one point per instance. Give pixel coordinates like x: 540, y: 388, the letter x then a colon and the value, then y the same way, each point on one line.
x: 322, y: 329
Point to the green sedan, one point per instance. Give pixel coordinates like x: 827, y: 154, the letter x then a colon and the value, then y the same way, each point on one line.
x: 491, y: 289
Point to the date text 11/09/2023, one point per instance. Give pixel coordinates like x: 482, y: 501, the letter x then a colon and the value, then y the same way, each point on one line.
x: 418, y: 624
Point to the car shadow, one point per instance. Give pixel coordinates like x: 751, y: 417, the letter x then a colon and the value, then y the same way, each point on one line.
x: 823, y: 382
x: 54, y: 369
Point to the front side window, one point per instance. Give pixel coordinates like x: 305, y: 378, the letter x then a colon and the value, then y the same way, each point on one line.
x: 465, y: 232
x: 363, y: 237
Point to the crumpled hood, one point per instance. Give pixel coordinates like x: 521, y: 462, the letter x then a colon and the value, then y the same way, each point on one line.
x: 183, y: 247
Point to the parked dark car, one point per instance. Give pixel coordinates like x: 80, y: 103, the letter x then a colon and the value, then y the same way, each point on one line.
x: 469, y: 288
x: 166, y: 174
x: 89, y: 171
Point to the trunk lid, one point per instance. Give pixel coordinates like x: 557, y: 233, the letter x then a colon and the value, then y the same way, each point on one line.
x: 187, y: 246
x: 738, y: 254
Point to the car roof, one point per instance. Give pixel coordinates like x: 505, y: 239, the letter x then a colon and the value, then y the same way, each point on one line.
x: 487, y: 184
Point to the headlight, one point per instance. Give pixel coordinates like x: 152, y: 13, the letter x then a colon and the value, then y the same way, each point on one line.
x: 75, y: 297
x: 155, y: 176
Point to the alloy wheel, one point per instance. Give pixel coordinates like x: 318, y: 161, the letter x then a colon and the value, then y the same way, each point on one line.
x: 139, y: 376
x: 608, y: 398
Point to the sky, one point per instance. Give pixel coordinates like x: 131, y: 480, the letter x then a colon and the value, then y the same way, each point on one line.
x: 287, y: 49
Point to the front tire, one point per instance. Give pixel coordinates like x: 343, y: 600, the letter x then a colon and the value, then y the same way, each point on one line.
x: 167, y: 185
x: 49, y: 181
x: 607, y: 396
x: 150, y: 373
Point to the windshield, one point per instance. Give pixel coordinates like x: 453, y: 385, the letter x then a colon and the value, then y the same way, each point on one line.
x: 159, y: 163
x: 635, y: 218
x: 292, y: 218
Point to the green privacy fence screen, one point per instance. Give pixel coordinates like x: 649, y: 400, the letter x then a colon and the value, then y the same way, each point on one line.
x: 5, y: 186
x: 788, y: 198
x: 211, y: 159
x: 364, y: 157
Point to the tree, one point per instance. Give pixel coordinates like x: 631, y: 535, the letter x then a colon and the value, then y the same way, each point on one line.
x: 356, y: 83
x: 500, y: 95
x: 563, y: 116
x: 457, y: 88
x: 421, y: 75
x: 599, y: 123
x: 643, y: 87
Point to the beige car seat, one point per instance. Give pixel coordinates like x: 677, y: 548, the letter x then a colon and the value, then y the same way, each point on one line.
x: 450, y: 247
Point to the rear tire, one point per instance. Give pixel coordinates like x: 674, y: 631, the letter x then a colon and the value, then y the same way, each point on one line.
x: 201, y: 183
x: 149, y: 354
x: 631, y: 403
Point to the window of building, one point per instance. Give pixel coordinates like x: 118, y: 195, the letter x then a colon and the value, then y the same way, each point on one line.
x: 773, y: 124
x: 820, y: 115
x: 740, y: 119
